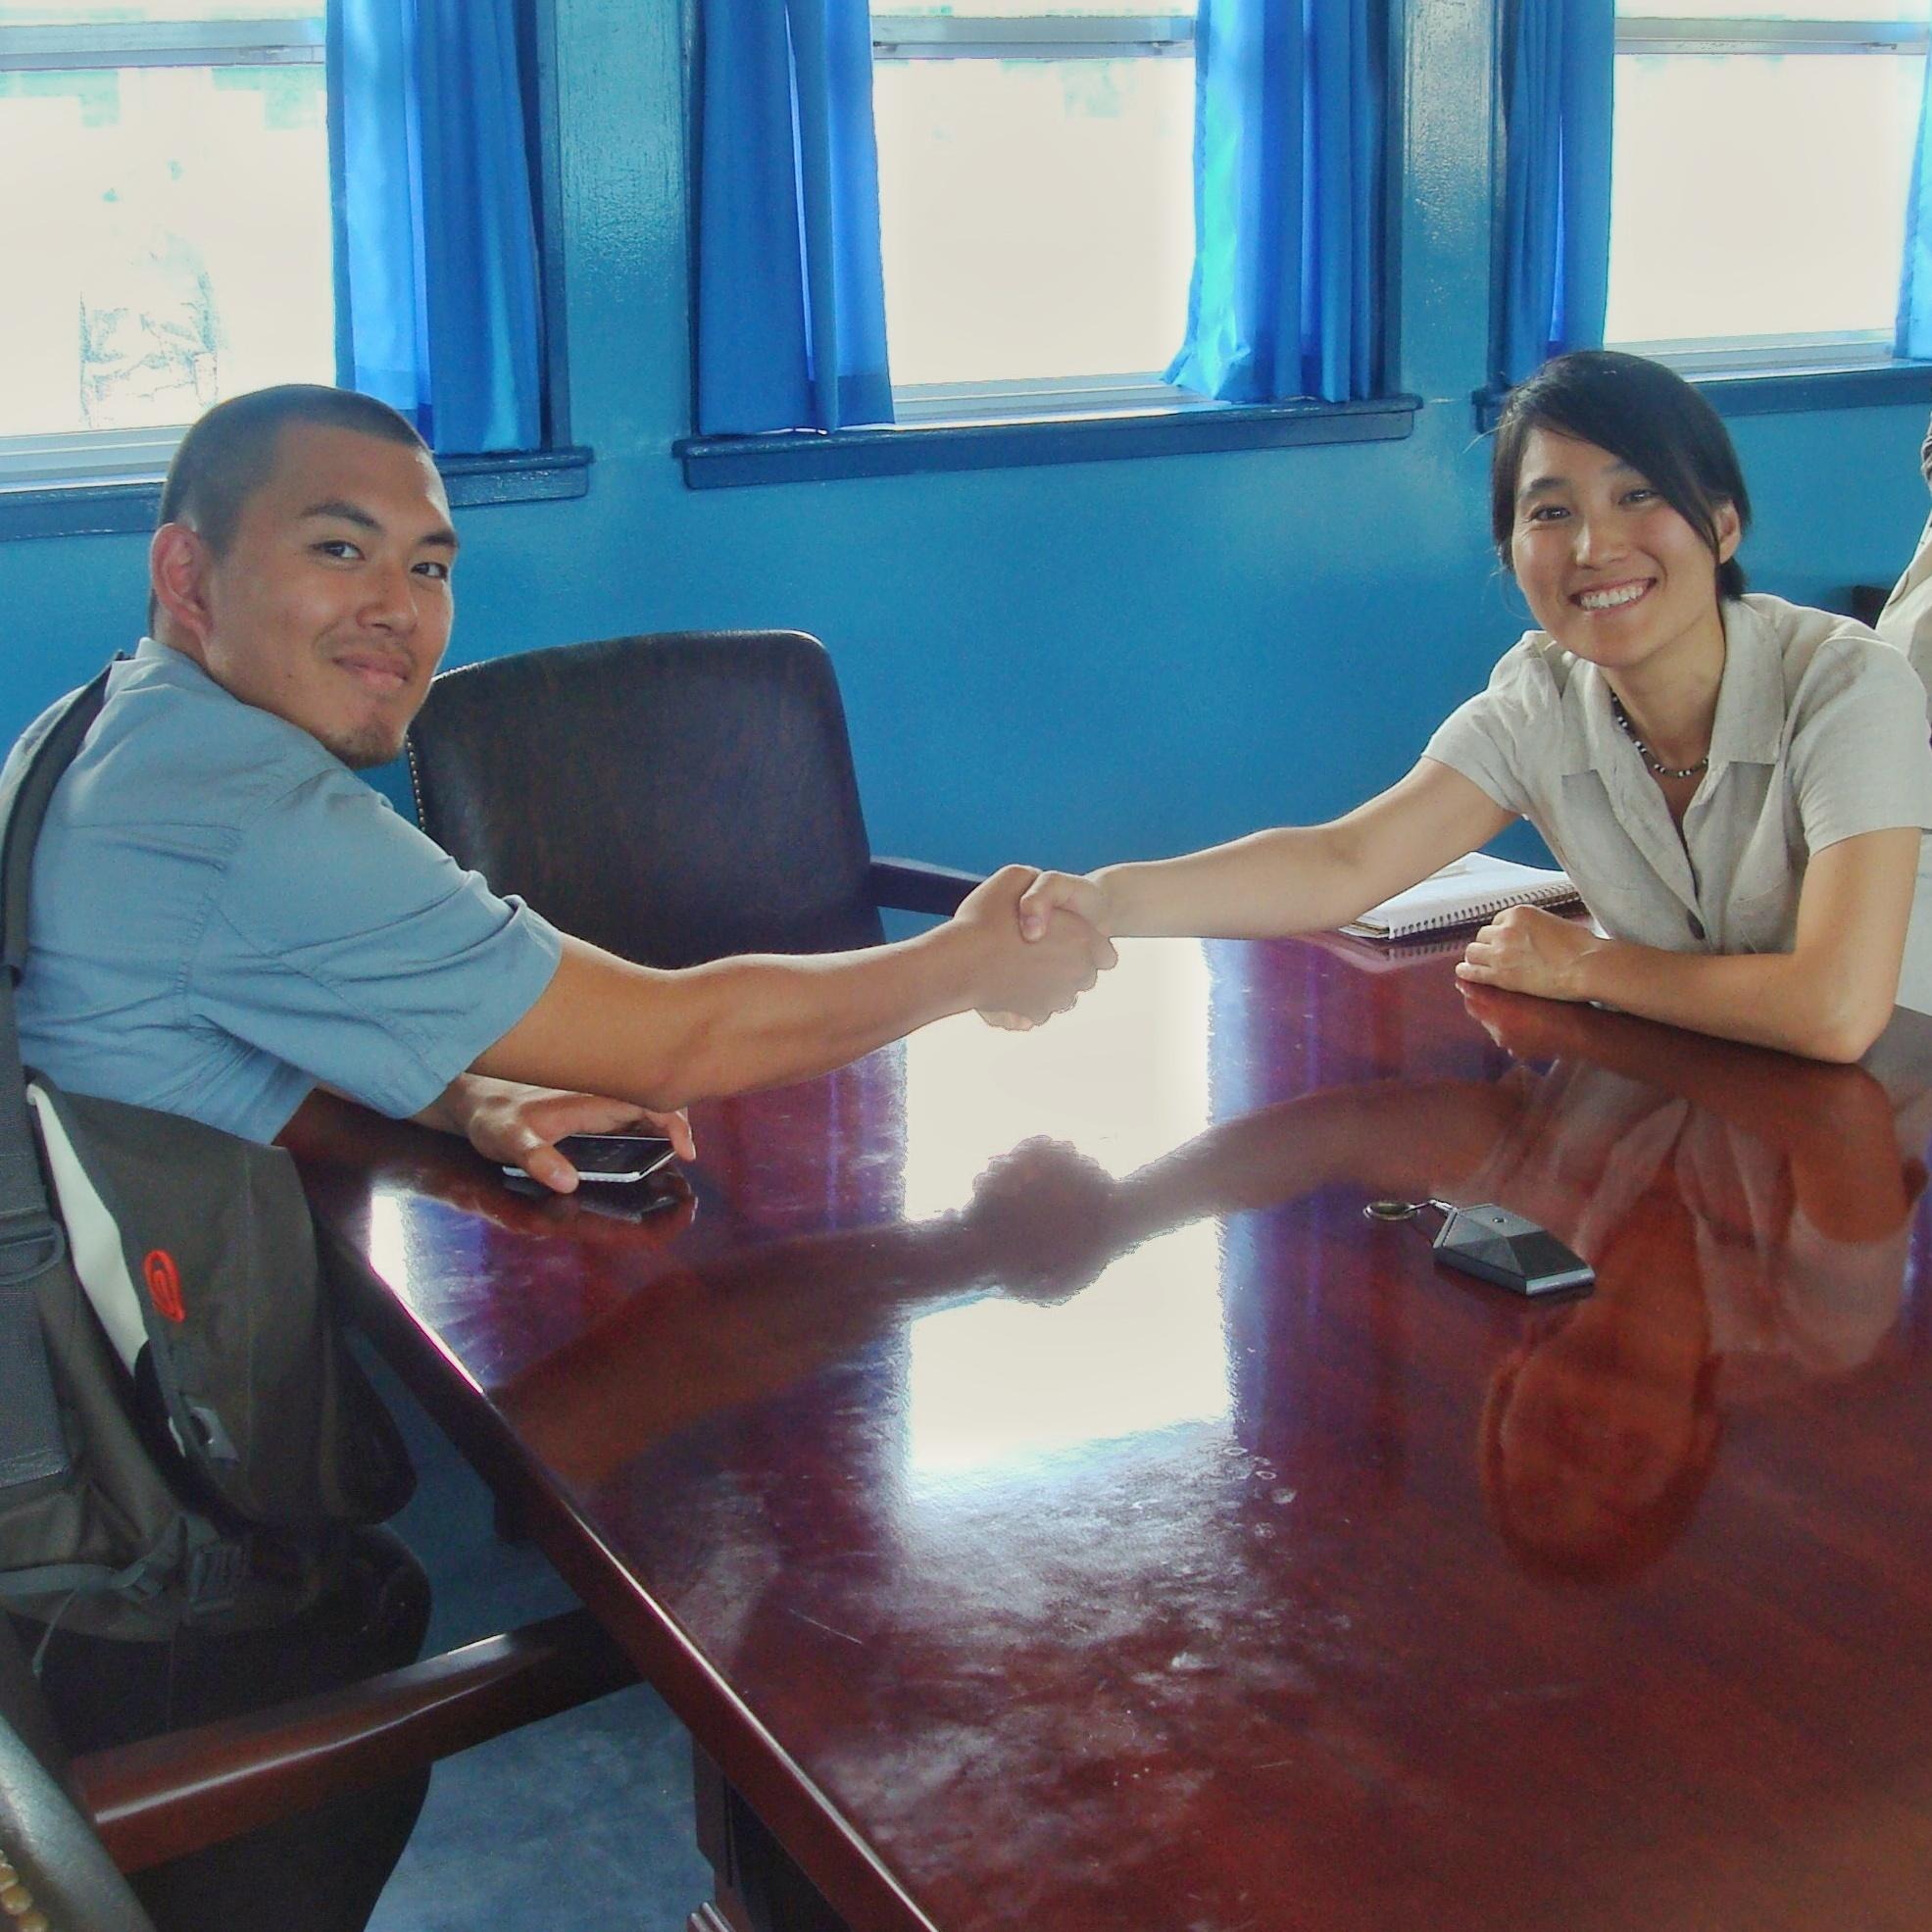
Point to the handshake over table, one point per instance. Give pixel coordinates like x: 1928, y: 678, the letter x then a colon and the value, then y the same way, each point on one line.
x: 1042, y: 945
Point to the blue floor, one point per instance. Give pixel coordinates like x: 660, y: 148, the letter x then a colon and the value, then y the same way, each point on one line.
x: 582, y: 1821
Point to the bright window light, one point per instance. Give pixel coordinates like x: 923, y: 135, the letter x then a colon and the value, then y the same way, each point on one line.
x: 1759, y: 169
x: 1036, y: 191
x: 178, y: 224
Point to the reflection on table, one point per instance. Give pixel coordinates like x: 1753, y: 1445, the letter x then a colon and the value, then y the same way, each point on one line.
x: 1029, y: 1474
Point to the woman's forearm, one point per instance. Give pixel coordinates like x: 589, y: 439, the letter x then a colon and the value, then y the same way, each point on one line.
x: 1801, y: 1004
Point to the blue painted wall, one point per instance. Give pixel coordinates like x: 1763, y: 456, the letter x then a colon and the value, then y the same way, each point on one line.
x: 1065, y: 663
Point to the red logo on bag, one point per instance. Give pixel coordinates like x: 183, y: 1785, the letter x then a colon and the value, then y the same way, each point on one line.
x: 163, y: 1281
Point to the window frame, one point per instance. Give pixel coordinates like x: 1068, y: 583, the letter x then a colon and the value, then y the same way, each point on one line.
x: 902, y: 38
x: 107, y: 482
x: 1796, y: 354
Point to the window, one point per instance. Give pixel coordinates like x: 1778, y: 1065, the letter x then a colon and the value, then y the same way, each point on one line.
x: 1761, y: 160
x: 1036, y: 203
x: 177, y: 222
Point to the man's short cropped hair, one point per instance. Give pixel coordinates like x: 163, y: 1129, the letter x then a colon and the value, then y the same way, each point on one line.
x: 230, y: 452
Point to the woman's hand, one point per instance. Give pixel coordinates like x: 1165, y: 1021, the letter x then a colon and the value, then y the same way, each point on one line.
x: 1526, y: 1029
x: 1526, y: 950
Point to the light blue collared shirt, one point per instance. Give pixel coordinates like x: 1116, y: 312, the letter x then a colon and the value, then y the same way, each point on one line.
x: 223, y: 915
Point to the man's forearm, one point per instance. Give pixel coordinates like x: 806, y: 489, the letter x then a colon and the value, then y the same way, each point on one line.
x: 662, y: 1039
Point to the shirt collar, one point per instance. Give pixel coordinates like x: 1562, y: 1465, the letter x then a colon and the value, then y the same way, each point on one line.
x: 1748, y: 727
x: 1750, y: 722
x: 164, y: 660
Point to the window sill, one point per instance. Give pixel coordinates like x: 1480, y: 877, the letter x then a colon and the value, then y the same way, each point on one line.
x: 807, y: 455
x: 1777, y: 393
x: 129, y: 505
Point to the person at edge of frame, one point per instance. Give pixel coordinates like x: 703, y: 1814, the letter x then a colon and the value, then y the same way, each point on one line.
x: 224, y: 917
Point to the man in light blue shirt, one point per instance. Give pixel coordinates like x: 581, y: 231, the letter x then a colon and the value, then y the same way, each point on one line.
x: 213, y: 948
x: 224, y: 917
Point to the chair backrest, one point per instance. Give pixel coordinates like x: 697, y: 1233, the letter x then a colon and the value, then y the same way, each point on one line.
x: 672, y: 798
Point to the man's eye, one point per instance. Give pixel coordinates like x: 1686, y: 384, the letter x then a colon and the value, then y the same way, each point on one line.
x: 339, y: 548
x: 434, y: 569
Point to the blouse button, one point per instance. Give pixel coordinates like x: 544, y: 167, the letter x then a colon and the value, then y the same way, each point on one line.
x: 1696, y: 928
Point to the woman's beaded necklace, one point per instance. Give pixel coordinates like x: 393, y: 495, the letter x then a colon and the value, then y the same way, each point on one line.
x: 1650, y: 758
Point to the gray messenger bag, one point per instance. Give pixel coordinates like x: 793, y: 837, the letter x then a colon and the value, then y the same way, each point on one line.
x: 182, y: 1431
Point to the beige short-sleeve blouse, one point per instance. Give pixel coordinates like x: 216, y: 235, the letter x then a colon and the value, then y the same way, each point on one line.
x: 1820, y: 735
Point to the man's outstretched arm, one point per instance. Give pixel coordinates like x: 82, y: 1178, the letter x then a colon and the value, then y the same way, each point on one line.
x: 661, y: 1039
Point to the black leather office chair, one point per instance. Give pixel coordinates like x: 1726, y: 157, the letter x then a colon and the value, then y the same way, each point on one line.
x: 69, y: 1827
x: 672, y: 798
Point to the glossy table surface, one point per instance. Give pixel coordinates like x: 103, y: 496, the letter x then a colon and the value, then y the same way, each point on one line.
x: 1054, y: 1504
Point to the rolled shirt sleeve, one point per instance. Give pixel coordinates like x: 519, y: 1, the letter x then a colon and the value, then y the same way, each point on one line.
x: 1485, y: 736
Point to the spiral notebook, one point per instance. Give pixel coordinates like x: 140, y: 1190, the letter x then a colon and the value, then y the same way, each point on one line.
x: 1464, y: 893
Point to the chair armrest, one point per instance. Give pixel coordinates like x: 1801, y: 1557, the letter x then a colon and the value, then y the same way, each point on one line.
x: 171, y: 1794
x: 912, y: 886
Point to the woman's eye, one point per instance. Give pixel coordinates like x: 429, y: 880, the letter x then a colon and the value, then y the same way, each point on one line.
x: 1643, y: 493
x: 1547, y: 512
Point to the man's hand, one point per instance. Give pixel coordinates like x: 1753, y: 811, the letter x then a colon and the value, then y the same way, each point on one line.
x: 1029, y: 981
x: 520, y: 1126
x: 1051, y: 893
x: 1527, y: 950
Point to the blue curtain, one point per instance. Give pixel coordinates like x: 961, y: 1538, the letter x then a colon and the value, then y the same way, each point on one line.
x: 1914, y: 332
x: 436, y: 289
x: 1557, y: 83
x: 1290, y: 108
x: 791, y: 293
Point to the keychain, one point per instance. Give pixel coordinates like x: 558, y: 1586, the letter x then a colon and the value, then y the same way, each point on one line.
x: 1497, y: 1246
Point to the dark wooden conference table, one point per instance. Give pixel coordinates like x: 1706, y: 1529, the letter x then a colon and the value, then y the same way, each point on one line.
x: 1051, y: 1503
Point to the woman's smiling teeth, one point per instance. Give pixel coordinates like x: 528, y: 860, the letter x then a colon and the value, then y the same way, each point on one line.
x: 1608, y: 600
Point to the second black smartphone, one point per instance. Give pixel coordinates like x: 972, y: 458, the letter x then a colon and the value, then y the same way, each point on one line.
x: 612, y: 1156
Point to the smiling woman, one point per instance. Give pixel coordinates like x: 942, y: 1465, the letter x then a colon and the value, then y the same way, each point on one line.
x: 1737, y: 785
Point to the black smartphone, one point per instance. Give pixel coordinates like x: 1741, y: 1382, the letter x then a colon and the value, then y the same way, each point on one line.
x: 612, y: 1156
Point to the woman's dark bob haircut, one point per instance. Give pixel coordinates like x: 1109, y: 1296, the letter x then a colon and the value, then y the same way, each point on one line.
x: 1639, y: 411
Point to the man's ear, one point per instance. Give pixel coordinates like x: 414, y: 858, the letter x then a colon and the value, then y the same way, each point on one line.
x: 178, y: 573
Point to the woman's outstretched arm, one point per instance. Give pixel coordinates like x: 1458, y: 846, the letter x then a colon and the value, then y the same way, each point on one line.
x: 1296, y: 878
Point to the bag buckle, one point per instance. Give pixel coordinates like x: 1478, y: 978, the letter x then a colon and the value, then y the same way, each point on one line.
x: 30, y: 1251
x: 217, y: 1572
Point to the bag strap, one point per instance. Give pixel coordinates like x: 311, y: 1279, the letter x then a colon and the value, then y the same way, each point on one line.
x: 31, y: 1239
x: 144, y: 1578
x: 27, y: 785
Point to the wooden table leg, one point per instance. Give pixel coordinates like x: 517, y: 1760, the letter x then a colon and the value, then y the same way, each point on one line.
x: 756, y: 1886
